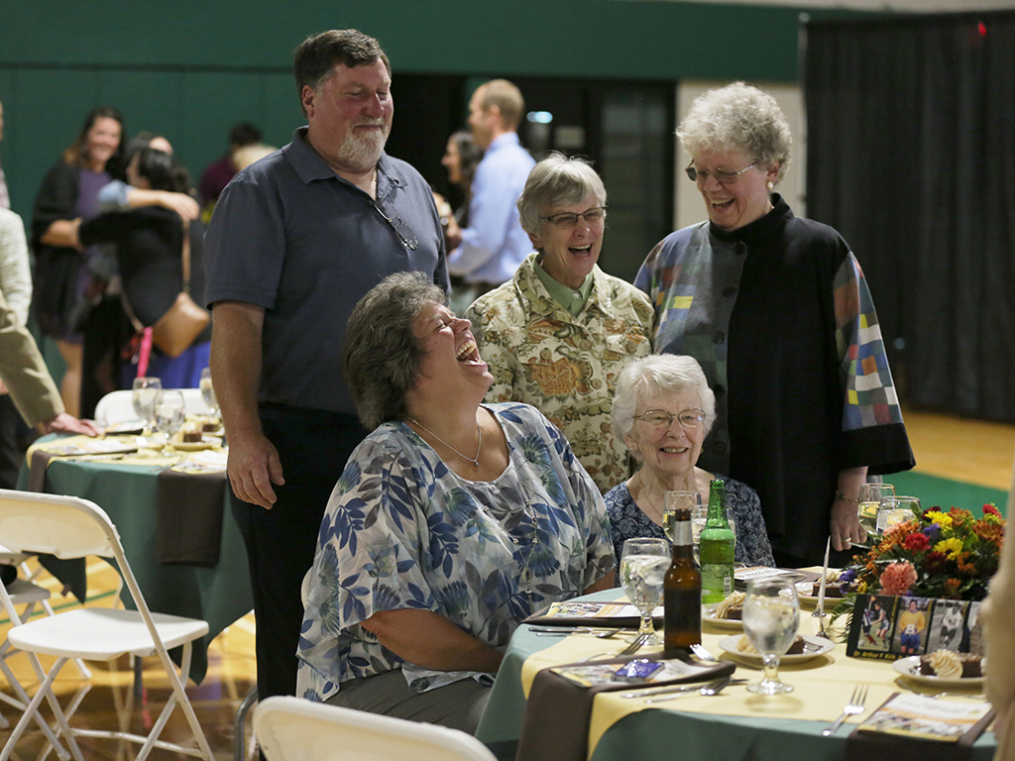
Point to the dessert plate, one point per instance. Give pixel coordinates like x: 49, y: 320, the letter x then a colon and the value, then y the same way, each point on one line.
x: 206, y: 442
x: 910, y: 668
x: 816, y: 646
x: 708, y: 616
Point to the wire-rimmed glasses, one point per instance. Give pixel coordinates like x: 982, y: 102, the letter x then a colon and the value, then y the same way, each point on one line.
x: 566, y: 220
x: 402, y: 230
x: 724, y: 177
x: 689, y: 419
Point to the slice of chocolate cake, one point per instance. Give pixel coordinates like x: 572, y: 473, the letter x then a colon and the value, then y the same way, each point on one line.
x: 949, y: 665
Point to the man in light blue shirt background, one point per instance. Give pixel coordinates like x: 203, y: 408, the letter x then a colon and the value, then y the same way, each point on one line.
x: 494, y: 243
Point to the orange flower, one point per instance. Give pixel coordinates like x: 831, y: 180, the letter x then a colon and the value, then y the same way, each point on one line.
x: 897, y: 578
x: 952, y: 587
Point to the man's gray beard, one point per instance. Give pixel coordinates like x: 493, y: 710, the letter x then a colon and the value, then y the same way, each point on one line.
x: 362, y: 152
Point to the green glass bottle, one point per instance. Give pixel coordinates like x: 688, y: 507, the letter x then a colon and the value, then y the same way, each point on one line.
x: 715, y: 550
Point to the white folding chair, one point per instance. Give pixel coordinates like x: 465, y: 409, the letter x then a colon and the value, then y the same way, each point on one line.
x: 296, y: 729
x: 115, y: 407
x: 69, y: 527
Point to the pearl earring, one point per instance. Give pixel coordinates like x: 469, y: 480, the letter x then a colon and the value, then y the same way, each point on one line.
x: 771, y: 185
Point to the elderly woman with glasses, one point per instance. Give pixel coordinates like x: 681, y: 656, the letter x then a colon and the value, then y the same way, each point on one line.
x: 776, y: 309
x: 452, y: 522
x: 558, y: 334
x: 663, y: 410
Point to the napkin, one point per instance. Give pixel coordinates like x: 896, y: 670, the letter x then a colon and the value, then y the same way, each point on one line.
x: 558, y: 712
x: 189, y: 517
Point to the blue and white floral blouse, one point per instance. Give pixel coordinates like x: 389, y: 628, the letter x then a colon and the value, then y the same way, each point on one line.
x: 404, y: 531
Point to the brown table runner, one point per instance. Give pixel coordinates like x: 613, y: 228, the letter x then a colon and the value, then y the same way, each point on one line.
x: 189, y: 517
x: 558, y: 711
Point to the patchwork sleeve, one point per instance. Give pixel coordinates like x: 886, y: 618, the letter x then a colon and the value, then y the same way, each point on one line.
x: 873, y: 431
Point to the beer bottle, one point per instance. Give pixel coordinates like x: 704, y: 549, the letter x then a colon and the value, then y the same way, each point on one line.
x: 682, y: 589
x: 715, y: 548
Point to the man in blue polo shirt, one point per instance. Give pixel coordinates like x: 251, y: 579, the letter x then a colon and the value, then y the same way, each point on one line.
x: 295, y: 241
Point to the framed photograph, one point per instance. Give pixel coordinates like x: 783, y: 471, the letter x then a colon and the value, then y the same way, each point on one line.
x: 889, y: 628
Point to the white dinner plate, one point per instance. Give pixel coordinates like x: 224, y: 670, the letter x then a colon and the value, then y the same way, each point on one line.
x: 910, y: 668
x: 708, y: 616
x: 729, y: 644
x: 809, y: 600
x: 206, y: 442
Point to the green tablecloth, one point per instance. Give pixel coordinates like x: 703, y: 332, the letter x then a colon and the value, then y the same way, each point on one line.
x: 128, y: 494
x: 659, y: 733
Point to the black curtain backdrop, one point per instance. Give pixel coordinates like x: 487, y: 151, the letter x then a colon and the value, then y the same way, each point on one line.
x: 911, y: 156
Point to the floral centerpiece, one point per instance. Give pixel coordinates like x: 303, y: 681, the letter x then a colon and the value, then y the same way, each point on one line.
x: 943, y: 555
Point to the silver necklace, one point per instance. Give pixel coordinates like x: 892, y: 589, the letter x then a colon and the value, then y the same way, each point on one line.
x: 473, y: 460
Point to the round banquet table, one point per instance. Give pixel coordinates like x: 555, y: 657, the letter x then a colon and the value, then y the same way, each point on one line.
x: 218, y: 594
x: 767, y: 729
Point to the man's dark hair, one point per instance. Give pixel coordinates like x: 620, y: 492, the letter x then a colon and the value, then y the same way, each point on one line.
x: 243, y: 134
x: 163, y: 170
x: 317, y: 56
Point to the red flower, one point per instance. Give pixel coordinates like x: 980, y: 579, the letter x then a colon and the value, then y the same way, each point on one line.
x: 934, y: 561
x: 988, y: 508
x: 917, y: 542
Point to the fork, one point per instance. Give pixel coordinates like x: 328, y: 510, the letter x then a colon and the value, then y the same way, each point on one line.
x: 854, y: 706
x: 702, y: 653
x: 635, y: 646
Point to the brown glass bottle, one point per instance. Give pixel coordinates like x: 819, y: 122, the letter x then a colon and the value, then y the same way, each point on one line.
x: 682, y: 590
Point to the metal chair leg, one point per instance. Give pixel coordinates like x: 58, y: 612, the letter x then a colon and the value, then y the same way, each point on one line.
x: 239, y: 744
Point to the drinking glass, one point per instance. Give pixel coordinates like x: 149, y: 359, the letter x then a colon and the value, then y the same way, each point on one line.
x: 208, y: 392
x: 868, y: 503
x: 169, y: 416
x: 771, y: 617
x: 732, y: 520
x: 699, y: 517
x: 896, y: 509
x: 144, y: 394
x: 643, y: 564
x: 677, y: 500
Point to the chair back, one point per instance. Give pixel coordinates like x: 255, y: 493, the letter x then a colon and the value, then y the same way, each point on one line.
x: 66, y: 527
x: 115, y: 407
x: 296, y: 729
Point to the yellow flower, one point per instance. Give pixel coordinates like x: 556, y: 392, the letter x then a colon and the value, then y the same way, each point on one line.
x: 941, y: 519
x: 861, y: 588
x: 951, y: 547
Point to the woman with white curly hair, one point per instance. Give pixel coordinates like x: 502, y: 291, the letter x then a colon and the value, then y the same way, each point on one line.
x: 663, y: 410
x: 776, y: 309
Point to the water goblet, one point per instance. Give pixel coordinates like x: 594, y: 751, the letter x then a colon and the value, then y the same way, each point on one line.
x: 868, y: 503
x: 896, y: 509
x: 169, y: 416
x: 643, y: 564
x: 208, y: 392
x: 771, y: 618
x: 673, y: 501
x: 144, y: 393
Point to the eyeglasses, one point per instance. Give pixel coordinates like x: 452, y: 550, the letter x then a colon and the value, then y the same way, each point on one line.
x: 403, y: 231
x: 689, y: 419
x: 724, y: 178
x: 567, y: 220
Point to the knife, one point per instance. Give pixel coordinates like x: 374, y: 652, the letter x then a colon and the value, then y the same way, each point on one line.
x: 653, y: 691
